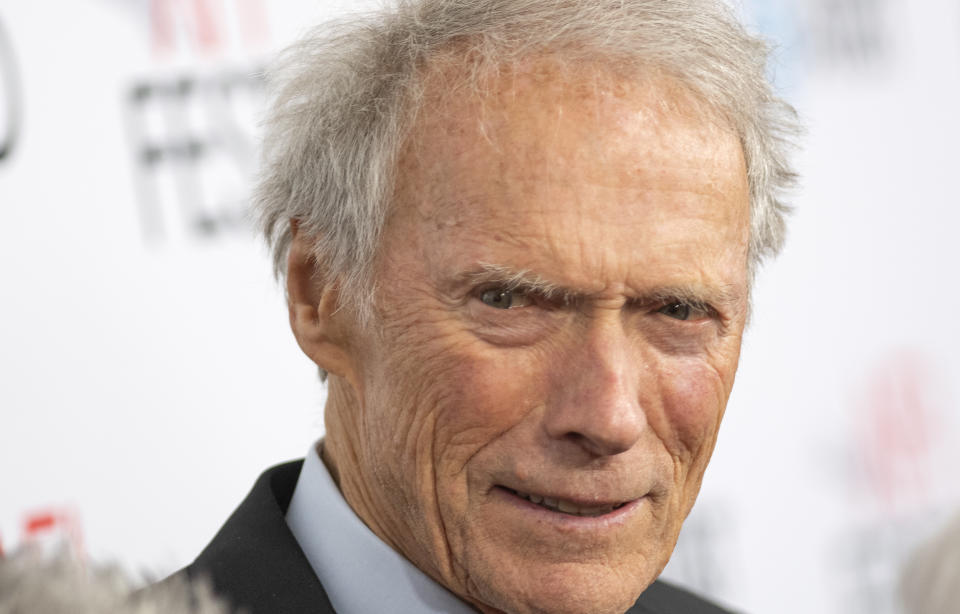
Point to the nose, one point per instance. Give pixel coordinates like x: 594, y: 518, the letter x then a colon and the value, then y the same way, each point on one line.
x: 595, y: 399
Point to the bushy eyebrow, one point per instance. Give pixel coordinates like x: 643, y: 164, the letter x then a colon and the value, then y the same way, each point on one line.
x: 699, y: 295
x: 519, y: 279
x: 694, y: 294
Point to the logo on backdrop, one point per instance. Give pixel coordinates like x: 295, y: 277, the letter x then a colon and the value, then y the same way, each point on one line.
x: 901, y: 479
x: 193, y: 132
x: 194, y: 150
x: 822, y: 36
x: 210, y: 27
x: 10, y: 97
x: 851, y: 33
x: 51, y: 531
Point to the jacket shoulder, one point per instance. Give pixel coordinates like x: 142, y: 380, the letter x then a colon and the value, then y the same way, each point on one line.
x: 254, y: 561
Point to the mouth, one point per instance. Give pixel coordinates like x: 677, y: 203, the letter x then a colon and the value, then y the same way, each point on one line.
x: 564, y: 506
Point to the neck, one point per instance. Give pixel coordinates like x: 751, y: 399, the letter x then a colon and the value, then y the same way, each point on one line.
x: 342, y: 455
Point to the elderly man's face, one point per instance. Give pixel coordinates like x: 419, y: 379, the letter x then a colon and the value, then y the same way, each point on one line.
x: 562, y: 292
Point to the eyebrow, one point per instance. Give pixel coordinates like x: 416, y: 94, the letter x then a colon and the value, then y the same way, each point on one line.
x: 696, y: 294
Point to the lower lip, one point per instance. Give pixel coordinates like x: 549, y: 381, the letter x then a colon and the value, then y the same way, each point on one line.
x: 615, y: 518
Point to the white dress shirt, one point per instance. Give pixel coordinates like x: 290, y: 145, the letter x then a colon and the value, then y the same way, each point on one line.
x: 360, y: 573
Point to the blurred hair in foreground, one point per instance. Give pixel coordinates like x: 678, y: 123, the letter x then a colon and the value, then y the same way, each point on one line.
x: 929, y: 584
x: 33, y: 584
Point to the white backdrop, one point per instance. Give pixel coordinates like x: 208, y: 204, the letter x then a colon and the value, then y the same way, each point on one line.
x: 147, y: 374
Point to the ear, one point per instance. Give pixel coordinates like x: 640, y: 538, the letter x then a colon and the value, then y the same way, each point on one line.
x: 313, y: 301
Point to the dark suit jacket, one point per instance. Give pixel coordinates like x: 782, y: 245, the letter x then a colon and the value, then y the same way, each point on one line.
x: 256, y: 563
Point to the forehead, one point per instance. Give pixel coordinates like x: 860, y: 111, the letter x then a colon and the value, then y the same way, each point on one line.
x: 570, y: 108
x: 544, y: 151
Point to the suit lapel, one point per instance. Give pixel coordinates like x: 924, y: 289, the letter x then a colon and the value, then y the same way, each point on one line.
x: 255, y: 562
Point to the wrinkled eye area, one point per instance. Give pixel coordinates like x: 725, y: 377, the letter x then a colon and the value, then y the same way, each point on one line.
x: 679, y: 310
x: 500, y: 298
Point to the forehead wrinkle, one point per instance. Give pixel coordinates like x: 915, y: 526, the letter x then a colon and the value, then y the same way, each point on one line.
x: 543, y: 92
x: 448, y: 210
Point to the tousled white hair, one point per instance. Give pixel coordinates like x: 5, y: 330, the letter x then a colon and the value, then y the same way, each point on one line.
x: 344, y: 99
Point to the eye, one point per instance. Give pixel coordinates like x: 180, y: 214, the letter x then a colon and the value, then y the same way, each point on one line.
x: 683, y: 311
x: 499, y: 298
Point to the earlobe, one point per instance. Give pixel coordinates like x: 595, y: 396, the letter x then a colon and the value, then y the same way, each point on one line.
x: 313, y: 301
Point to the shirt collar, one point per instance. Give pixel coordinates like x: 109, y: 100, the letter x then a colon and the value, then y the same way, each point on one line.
x: 359, y: 572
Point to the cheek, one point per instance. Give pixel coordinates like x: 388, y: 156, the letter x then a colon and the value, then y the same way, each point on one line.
x: 694, y: 398
x: 448, y: 397
x: 493, y: 390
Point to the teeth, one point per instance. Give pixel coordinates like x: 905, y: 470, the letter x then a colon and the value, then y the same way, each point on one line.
x: 559, y: 505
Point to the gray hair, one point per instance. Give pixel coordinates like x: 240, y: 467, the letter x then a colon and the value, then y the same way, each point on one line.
x: 344, y: 99
x: 32, y: 584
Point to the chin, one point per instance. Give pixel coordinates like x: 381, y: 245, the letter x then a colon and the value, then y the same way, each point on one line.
x: 572, y: 588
